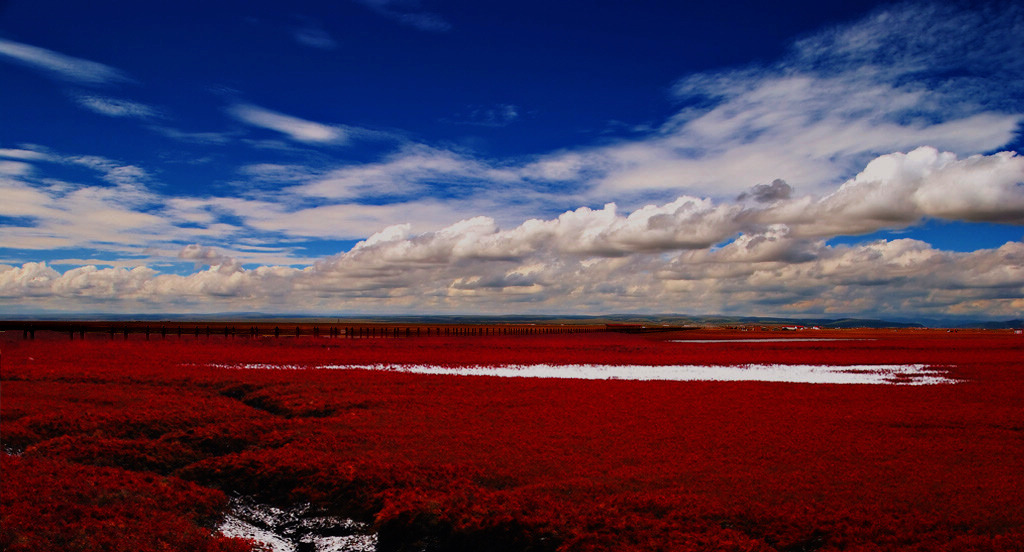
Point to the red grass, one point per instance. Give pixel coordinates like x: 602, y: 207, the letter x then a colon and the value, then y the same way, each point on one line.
x: 56, y: 505
x: 479, y: 463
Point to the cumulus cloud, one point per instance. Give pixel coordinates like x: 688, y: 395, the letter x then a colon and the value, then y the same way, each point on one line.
x: 295, y: 128
x: 204, y: 255
x: 64, y: 67
x: 884, y: 277
x: 39, y: 280
x: 683, y: 224
x: 770, y: 273
x: 893, y: 191
x: 899, y: 189
x: 766, y: 193
x: 657, y: 255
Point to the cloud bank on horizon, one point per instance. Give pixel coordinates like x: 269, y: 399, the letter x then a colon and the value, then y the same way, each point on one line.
x: 830, y: 181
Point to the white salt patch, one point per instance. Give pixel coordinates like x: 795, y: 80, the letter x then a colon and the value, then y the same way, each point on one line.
x: 283, y: 530
x: 893, y: 374
x: 235, y: 527
x: 351, y: 543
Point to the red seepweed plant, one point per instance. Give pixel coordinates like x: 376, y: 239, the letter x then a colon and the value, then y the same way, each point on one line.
x: 136, y: 441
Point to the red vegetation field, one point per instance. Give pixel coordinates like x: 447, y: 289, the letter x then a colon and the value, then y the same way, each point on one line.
x: 133, y: 444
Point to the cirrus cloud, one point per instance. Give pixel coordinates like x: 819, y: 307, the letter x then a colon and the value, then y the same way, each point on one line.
x: 115, y: 107
x: 293, y: 127
x: 61, y: 66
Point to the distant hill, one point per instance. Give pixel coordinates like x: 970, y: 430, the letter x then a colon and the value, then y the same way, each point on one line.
x: 1005, y: 325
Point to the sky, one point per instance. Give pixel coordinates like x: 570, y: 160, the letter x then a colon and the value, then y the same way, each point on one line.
x: 793, y: 158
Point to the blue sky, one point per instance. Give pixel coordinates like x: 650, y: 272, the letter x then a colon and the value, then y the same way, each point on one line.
x: 403, y: 156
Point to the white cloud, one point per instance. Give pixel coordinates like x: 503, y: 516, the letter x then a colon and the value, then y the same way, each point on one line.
x: 121, y: 263
x: 861, y: 128
x: 115, y: 107
x: 806, y: 131
x: 193, y: 137
x: 116, y: 211
x: 126, y: 176
x: 331, y: 221
x: 64, y: 67
x: 495, y: 116
x: 277, y: 173
x: 885, y: 277
x: 315, y: 37
x: 38, y: 279
x: 406, y: 13
x: 295, y: 128
x: 970, y: 55
x: 23, y: 154
x: 899, y: 189
x: 412, y: 170
x: 808, y: 123
x: 897, y: 277
x: 203, y: 255
x: 14, y: 168
x: 892, y: 191
x: 896, y: 81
